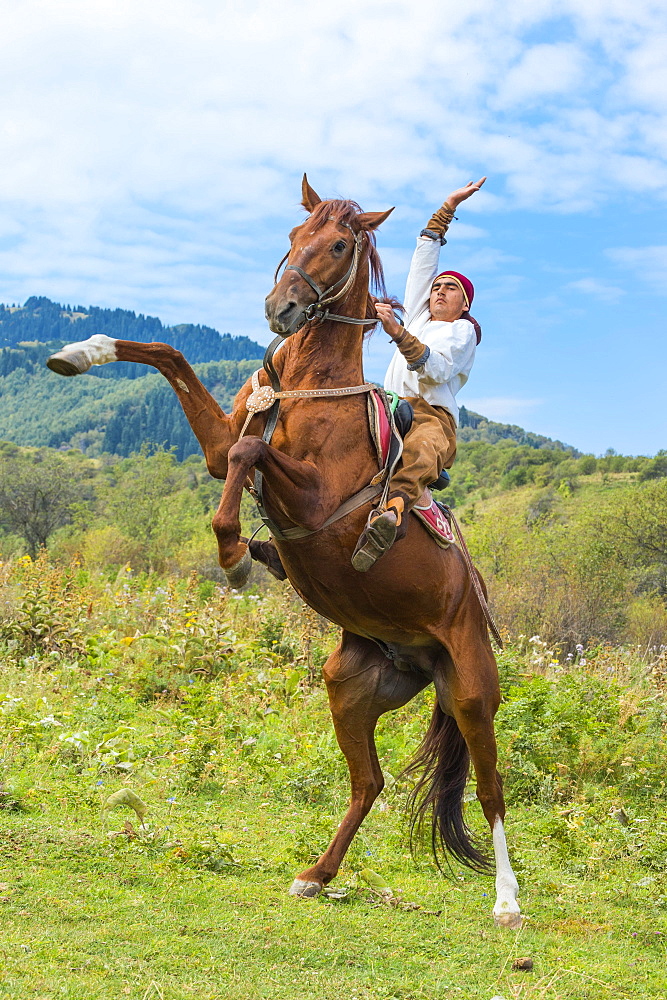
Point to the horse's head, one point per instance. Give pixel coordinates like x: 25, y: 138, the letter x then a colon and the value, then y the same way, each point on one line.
x: 329, y: 256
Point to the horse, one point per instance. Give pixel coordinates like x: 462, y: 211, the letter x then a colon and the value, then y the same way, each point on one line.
x: 414, y: 618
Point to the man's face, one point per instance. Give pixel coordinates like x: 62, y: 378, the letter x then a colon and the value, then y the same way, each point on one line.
x: 447, y: 301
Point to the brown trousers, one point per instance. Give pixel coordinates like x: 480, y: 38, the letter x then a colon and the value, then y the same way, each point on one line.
x: 429, y: 447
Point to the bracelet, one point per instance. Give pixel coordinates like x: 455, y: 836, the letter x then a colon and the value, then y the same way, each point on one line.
x: 421, y: 361
x: 434, y: 235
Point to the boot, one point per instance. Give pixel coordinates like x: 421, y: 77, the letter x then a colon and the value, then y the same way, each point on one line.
x: 382, y: 529
x: 267, y: 554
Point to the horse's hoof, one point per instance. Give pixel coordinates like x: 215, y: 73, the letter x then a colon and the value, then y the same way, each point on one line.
x: 239, y: 574
x: 68, y: 363
x: 301, y: 888
x: 511, y: 921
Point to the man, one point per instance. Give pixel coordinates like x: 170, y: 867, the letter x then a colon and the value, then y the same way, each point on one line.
x: 435, y: 350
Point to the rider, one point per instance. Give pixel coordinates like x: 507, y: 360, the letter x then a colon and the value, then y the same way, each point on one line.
x: 435, y: 350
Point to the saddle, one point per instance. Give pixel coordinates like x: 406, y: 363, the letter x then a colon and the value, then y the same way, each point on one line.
x: 386, y: 424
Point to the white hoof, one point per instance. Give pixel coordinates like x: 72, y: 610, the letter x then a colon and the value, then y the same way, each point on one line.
x: 75, y: 359
x: 299, y: 887
x: 511, y: 921
x: 69, y: 363
x: 239, y: 574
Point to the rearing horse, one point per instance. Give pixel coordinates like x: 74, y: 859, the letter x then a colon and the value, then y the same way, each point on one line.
x: 418, y: 601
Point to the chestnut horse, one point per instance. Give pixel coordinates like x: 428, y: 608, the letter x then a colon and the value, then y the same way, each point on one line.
x: 414, y: 617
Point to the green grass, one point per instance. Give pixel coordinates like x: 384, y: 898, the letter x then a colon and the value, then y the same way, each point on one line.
x: 234, y: 755
x: 86, y: 915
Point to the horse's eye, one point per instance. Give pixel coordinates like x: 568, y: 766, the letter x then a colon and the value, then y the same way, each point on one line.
x: 340, y: 246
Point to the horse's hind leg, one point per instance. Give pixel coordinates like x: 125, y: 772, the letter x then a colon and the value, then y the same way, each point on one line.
x: 362, y: 685
x: 213, y: 429
x: 472, y: 692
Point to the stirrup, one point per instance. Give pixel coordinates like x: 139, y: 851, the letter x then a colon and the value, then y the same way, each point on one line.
x: 378, y: 536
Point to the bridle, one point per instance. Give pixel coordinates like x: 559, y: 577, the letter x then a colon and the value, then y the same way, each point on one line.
x: 268, y: 397
x: 317, y: 311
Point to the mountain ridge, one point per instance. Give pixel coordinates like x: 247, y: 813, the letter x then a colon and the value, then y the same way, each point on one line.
x: 42, y: 321
x: 128, y: 404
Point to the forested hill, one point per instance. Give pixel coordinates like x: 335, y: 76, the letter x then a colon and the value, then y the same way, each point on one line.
x: 123, y: 406
x: 41, y: 321
x: 98, y: 415
x: 474, y: 427
x: 118, y: 416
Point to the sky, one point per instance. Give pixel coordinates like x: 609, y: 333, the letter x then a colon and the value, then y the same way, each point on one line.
x: 152, y: 157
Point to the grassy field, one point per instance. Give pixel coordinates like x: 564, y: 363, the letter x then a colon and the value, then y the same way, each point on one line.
x: 210, y: 707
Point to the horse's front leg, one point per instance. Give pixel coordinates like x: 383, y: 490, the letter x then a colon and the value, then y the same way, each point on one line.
x: 214, y: 430
x: 297, y: 483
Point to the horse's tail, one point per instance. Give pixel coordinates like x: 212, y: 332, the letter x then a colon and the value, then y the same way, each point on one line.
x: 443, y: 762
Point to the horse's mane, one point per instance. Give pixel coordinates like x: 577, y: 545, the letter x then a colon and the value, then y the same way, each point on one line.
x: 345, y: 210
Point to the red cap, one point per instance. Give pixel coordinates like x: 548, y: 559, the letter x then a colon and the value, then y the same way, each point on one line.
x: 465, y: 284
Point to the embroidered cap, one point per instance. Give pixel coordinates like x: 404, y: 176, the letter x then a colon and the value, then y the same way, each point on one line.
x: 465, y: 284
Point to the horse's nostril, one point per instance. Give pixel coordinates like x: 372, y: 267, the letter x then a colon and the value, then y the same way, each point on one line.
x: 287, y: 309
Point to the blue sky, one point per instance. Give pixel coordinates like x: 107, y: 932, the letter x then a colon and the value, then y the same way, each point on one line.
x: 152, y: 157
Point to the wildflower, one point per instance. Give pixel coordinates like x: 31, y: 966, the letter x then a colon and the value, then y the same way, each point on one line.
x: 579, y: 648
x: 98, y: 783
x: 172, y: 800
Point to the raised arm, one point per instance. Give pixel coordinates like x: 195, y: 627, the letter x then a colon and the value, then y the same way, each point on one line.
x: 426, y: 258
x: 439, y: 222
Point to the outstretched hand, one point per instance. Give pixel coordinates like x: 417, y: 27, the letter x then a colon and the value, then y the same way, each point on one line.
x: 461, y: 194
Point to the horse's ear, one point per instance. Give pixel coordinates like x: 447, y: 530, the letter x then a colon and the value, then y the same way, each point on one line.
x: 371, y: 220
x: 309, y: 198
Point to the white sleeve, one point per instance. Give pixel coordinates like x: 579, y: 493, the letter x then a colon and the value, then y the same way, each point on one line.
x: 452, y: 352
x: 423, y: 269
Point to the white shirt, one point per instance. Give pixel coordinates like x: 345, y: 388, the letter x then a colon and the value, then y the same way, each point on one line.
x: 452, y: 345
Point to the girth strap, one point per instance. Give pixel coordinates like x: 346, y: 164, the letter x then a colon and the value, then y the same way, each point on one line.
x: 365, y: 495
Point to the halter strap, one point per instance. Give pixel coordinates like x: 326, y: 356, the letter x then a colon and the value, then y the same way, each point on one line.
x: 317, y: 310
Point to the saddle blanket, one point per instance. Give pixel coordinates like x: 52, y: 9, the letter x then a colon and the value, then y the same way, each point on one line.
x: 433, y: 518
x: 427, y: 510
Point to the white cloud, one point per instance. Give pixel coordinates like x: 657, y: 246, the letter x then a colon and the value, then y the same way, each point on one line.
x: 598, y: 289
x: 649, y: 264
x: 154, y: 151
x: 543, y: 72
